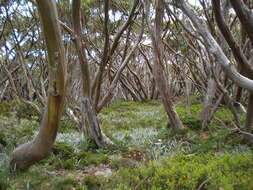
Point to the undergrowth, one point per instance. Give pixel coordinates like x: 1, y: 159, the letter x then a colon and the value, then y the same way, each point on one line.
x: 146, y: 153
x: 188, y: 172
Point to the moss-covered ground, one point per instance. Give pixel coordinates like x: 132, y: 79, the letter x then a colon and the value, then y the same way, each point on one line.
x: 146, y: 153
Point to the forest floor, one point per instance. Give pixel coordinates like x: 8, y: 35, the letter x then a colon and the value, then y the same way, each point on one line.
x: 146, y: 153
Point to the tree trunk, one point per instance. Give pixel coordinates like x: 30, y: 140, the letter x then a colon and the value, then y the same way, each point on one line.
x: 158, y: 67
x: 187, y: 95
x: 39, y: 148
x: 208, y: 102
x: 249, y: 117
x: 246, y: 19
x: 91, y: 126
x: 90, y: 123
x: 214, y: 48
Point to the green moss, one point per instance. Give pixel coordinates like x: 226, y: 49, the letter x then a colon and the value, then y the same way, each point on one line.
x: 195, y: 110
x: 88, y: 144
x: 204, y: 147
x: 69, y: 163
x: 65, y: 158
x: 82, y: 187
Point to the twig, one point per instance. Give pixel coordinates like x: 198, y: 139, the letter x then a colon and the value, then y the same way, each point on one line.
x: 203, y: 183
x: 243, y: 132
x: 219, y: 120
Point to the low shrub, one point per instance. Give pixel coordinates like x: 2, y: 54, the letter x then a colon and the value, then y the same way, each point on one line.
x: 63, y: 150
x: 89, y: 158
x: 191, y: 122
x: 92, y: 182
x: 26, y: 111
x: 188, y: 172
x: 6, y: 108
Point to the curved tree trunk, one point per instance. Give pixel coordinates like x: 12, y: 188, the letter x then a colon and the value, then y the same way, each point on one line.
x: 246, y: 19
x: 245, y: 67
x: 39, y: 148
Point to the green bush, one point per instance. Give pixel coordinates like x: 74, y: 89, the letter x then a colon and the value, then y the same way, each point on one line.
x: 196, y: 99
x: 187, y: 172
x: 15, y: 132
x: 192, y: 122
x: 63, y: 150
x: 6, y: 108
x: 88, y: 144
x: 3, y: 184
x: 89, y: 158
x: 69, y: 163
x: 225, y: 115
x: 64, y: 157
x: 92, y: 182
x: 67, y: 126
x: 2, y: 139
x: 26, y: 111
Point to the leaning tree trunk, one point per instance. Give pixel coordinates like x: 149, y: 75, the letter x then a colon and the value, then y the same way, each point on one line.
x: 158, y: 68
x: 39, y: 148
x: 246, y: 18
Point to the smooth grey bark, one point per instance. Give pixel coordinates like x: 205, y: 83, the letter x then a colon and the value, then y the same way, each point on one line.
x: 109, y: 94
x: 246, y: 17
x: 187, y: 95
x: 40, y: 147
x: 208, y: 101
x: 214, y: 48
x: 158, y: 67
x: 89, y: 120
